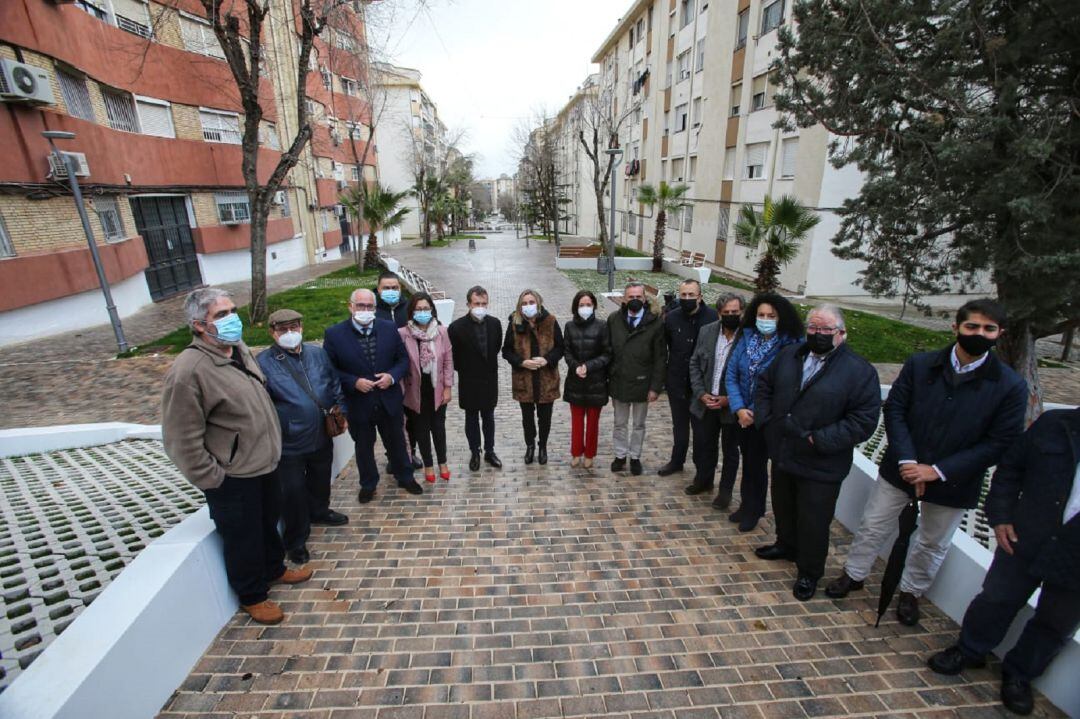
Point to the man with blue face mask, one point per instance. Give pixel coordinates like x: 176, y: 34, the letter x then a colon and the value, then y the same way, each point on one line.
x: 391, y: 303
x: 221, y: 431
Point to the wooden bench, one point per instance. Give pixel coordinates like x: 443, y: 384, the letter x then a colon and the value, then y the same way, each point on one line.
x: 684, y: 258
x: 697, y: 260
x: 580, y: 251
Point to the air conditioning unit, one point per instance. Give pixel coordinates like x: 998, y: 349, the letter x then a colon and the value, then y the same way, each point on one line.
x: 279, y: 197
x: 20, y: 82
x: 58, y: 168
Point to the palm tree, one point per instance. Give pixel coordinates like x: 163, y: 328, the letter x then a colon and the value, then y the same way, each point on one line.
x: 669, y: 198
x: 777, y: 232
x: 377, y: 206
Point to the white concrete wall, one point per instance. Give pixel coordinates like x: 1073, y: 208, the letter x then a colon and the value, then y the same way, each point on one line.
x: 234, y: 266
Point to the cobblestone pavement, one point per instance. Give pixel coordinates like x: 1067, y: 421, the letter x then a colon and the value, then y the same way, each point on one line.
x: 557, y: 592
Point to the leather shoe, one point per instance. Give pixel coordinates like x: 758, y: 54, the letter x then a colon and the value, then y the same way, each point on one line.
x: 736, y: 516
x: 294, y: 576
x: 907, y: 609
x: 722, y: 500
x: 331, y: 519
x: 805, y: 588
x: 841, y: 586
x: 635, y: 467
x: 530, y: 452
x: 411, y: 487
x: 952, y: 661
x: 265, y: 612
x: 365, y: 496
x: 748, y: 524
x: 541, y: 455
x: 474, y: 461
x: 299, y: 556
x: 493, y: 460
x: 775, y: 551
x: 618, y: 464
x: 1016, y: 695
x: 696, y: 488
x: 669, y: 468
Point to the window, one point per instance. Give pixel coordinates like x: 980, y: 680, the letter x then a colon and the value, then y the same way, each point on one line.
x: 6, y: 248
x: 327, y: 78
x: 631, y: 42
x: 788, y: 152
x: 688, y: 218
x: 684, y: 65
x: 722, y: 220
x: 680, y: 118
x: 755, y: 160
x: 650, y: 18
x: 133, y: 16
x: 633, y: 223
x: 770, y: 90
x: 286, y: 211
x: 356, y: 173
x: 109, y: 215
x: 199, y: 37
x: 700, y: 64
x: 232, y: 207
x: 120, y: 110
x: 687, y: 14
x: 743, y: 28
x: 677, y: 170
x: 76, y: 96
x: 729, y: 164
x: 697, y: 112
x: 640, y: 29
x: 349, y: 87
x: 93, y: 9
x: 155, y: 117
x: 344, y: 42
x: 692, y: 172
x: 220, y: 126
x: 736, y: 99
x: 772, y: 16
x: 269, y: 137
x: 757, y: 89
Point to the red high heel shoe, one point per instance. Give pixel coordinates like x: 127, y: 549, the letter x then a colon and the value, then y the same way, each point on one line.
x: 445, y: 474
x: 430, y: 477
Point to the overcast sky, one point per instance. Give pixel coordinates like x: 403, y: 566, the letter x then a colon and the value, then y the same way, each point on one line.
x: 487, y: 63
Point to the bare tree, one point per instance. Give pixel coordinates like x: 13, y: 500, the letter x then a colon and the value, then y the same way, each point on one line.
x: 538, y: 141
x: 430, y: 163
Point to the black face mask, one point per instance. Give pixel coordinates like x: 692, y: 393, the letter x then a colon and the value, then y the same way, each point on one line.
x: 975, y: 345
x: 688, y: 306
x: 819, y: 344
x: 634, y: 305
x: 730, y: 322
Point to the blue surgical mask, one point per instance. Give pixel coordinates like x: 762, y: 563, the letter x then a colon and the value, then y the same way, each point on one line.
x: 228, y: 329
x: 529, y: 311
x: 390, y: 297
x: 421, y: 317
x: 766, y: 327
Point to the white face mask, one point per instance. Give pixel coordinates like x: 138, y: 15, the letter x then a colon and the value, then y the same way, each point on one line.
x: 478, y: 312
x: 529, y: 311
x: 364, y: 317
x: 585, y: 312
x: 290, y: 340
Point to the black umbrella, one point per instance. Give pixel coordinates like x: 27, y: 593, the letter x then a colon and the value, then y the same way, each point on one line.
x: 895, y: 566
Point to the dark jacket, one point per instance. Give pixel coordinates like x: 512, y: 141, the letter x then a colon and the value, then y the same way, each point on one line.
x: 585, y: 342
x: 681, y: 334
x: 303, y: 427
x: 838, y: 408
x: 525, y: 340
x: 477, y: 368
x: 740, y: 382
x: 702, y: 367
x: 638, y: 356
x: 1030, y: 490
x: 398, y: 314
x: 963, y: 428
x: 342, y: 345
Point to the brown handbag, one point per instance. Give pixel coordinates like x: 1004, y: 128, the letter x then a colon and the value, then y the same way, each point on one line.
x: 334, y: 418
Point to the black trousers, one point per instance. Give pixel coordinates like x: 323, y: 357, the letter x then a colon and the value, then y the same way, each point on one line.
x: 683, y: 424
x: 429, y: 424
x: 245, y: 511
x: 710, y: 437
x: 305, y: 492
x: 542, y: 411
x: 803, y: 510
x: 473, y: 418
x: 1005, y: 591
x: 755, y: 474
x: 391, y: 427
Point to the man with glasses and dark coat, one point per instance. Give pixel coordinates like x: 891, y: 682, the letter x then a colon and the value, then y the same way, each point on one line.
x: 815, y: 402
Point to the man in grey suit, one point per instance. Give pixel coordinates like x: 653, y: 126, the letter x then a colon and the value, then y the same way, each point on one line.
x: 717, y: 425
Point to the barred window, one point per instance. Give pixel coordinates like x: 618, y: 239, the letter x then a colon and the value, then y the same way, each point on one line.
x: 220, y: 126
x: 120, y: 109
x: 270, y: 136
x: 76, y: 95
x: 232, y: 207
x: 6, y: 248
x: 109, y: 215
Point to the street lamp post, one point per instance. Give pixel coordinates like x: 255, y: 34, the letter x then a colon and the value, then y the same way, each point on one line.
x: 67, y: 162
x: 615, y: 154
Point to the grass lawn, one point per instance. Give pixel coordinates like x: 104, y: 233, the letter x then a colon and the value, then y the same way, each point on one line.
x: 322, y: 301
x: 878, y: 339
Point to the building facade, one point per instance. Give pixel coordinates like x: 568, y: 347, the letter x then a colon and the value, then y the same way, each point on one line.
x: 158, y: 125
x: 573, y: 167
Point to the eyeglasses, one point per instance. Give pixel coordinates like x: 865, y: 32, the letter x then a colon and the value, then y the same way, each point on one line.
x: 364, y: 306
x: 818, y: 330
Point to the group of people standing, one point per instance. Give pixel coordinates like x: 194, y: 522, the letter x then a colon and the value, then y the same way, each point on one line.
x: 747, y: 380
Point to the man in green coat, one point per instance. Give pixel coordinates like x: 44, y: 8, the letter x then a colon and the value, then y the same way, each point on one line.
x: 636, y: 377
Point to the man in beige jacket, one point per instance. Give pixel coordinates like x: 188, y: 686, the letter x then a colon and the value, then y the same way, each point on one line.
x: 221, y: 431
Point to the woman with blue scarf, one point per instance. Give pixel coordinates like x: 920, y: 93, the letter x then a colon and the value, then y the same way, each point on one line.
x: 769, y: 323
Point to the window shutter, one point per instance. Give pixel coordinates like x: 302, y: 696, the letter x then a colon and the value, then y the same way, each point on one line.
x: 155, y: 119
x: 787, y: 160
x: 729, y: 164
x: 755, y: 154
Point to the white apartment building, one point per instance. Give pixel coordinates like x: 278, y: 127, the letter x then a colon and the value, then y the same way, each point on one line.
x: 409, y: 131
x: 573, y: 168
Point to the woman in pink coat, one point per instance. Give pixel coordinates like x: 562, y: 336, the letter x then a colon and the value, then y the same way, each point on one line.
x: 427, y: 386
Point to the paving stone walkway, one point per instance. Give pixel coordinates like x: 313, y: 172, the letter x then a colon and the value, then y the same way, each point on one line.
x: 557, y: 592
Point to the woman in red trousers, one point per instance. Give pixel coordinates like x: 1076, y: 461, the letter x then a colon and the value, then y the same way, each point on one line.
x: 588, y: 354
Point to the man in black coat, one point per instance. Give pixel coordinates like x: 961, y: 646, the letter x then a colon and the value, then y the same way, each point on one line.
x: 392, y: 304
x: 476, y: 340
x: 949, y: 417
x: 815, y: 402
x: 681, y: 328
x: 1034, y: 508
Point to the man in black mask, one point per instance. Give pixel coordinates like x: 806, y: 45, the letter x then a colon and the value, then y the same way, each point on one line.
x: 950, y: 415
x: 681, y: 328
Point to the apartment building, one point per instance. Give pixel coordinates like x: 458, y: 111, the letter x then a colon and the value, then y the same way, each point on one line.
x: 158, y: 125
x: 691, y: 81
x: 573, y: 168
x: 410, y: 134
x: 497, y: 188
